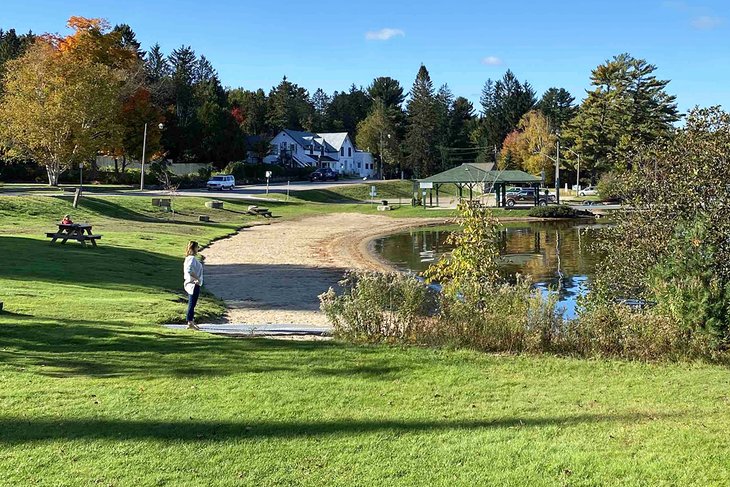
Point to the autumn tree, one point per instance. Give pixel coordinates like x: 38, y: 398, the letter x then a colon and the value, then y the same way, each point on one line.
x: 530, y: 147
x: 58, y: 109
x: 62, y: 97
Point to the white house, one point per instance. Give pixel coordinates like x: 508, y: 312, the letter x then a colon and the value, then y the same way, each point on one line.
x: 333, y: 150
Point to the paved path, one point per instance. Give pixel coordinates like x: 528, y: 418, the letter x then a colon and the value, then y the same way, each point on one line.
x: 261, y: 330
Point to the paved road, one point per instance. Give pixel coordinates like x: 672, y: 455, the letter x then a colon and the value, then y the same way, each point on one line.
x: 241, y: 192
x: 262, y: 330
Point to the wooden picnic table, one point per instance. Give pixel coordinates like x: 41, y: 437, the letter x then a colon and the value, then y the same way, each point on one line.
x: 81, y: 232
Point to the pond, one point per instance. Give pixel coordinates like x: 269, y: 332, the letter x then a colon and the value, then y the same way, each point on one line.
x: 556, y: 255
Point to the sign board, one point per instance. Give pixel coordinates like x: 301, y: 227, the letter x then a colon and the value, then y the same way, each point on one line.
x: 268, y: 174
x: 426, y: 185
x: 373, y: 193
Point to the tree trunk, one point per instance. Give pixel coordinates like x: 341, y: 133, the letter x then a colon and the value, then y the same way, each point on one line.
x: 53, y: 171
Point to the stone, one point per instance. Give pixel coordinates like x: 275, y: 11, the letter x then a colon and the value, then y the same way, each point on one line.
x: 214, y: 204
x: 203, y: 218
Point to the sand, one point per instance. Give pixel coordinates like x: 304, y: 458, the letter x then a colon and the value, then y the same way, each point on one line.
x: 275, y: 273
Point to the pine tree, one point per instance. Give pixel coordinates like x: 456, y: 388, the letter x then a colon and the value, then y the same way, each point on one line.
x: 504, y: 102
x: 388, y: 90
x: 627, y: 108
x: 421, y: 134
x: 557, y: 104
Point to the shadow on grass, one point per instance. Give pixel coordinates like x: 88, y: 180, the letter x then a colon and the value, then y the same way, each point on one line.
x: 62, y: 348
x: 71, y: 263
x: 17, y: 430
x: 324, y: 196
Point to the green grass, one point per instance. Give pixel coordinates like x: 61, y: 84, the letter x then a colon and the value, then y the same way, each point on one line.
x: 393, y: 191
x: 94, y: 391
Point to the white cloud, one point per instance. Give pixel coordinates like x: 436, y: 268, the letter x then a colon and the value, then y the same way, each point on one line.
x: 492, y: 61
x: 384, y: 34
x: 706, y: 22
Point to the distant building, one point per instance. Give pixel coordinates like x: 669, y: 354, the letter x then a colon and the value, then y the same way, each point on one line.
x: 333, y: 150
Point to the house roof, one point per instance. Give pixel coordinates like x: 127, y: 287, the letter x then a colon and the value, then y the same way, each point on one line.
x: 335, y: 139
x: 480, y: 173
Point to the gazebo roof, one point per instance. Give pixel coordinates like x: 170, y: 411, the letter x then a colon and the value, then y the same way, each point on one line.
x: 480, y: 173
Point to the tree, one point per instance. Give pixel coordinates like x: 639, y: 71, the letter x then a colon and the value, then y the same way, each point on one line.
x: 288, y: 107
x: 504, y: 103
x: 530, y: 146
x: 321, y: 102
x: 59, y: 107
x: 422, y: 125
x: 672, y: 248
x: 347, y: 109
x: 557, y: 104
x: 249, y: 109
x: 377, y: 134
x: 388, y: 90
x: 628, y: 107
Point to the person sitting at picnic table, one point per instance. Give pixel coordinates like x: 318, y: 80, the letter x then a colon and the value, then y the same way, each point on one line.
x: 66, y: 220
x: 193, y: 275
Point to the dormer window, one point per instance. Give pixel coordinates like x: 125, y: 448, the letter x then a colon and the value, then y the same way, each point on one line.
x: 349, y: 152
x: 342, y: 151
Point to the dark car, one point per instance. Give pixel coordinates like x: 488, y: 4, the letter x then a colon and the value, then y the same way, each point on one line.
x: 323, y: 174
x: 527, y: 195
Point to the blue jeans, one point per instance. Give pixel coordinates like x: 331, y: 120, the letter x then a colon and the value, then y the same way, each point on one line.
x: 192, y: 301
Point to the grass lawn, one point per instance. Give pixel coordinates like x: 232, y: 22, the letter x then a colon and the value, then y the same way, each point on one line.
x: 94, y: 391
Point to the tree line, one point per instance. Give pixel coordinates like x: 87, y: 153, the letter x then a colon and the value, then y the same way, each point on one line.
x: 65, y: 100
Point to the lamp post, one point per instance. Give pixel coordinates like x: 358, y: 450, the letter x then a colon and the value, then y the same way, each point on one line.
x: 557, y: 168
x: 577, y: 177
x: 144, y: 151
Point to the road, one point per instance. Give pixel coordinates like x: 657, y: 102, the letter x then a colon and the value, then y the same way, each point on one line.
x: 253, y: 191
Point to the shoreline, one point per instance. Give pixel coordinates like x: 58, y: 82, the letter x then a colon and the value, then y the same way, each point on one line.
x: 274, y: 273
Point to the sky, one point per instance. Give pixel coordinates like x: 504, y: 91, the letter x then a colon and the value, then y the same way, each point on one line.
x: 333, y: 44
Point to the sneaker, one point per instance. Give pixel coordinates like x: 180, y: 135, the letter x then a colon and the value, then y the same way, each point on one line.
x: 192, y: 326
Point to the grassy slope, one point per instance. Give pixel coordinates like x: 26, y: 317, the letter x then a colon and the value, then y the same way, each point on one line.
x: 93, y: 391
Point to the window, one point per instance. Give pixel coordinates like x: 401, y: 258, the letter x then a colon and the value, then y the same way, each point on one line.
x: 311, y: 149
x: 275, y: 149
x: 358, y: 165
x: 349, y: 152
x: 293, y: 148
x: 342, y: 151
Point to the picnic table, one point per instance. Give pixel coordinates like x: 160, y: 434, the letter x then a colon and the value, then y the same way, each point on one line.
x: 81, y: 232
x: 259, y: 211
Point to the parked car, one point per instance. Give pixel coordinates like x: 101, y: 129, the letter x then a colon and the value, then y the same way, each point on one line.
x: 323, y: 174
x: 221, y: 182
x: 527, y: 195
x: 588, y: 191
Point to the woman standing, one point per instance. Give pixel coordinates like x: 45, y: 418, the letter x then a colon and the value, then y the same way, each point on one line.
x: 193, y: 273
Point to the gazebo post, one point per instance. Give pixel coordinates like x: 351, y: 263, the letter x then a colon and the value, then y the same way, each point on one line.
x: 430, y: 197
x: 496, y: 194
x: 436, y: 185
x: 460, y: 191
x: 471, y: 194
x: 504, y: 195
x: 537, y: 194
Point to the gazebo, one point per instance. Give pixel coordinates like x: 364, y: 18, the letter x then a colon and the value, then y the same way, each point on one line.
x: 471, y: 175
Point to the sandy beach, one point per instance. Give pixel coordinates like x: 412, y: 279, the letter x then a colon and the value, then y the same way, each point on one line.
x: 275, y: 273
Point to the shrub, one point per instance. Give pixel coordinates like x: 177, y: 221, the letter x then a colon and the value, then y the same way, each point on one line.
x: 611, y: 187
x: 556, y: 211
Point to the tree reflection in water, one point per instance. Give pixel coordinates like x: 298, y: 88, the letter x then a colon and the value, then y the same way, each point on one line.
x: 556, y: 255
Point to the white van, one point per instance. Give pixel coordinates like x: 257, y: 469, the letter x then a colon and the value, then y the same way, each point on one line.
x: 221, y: 182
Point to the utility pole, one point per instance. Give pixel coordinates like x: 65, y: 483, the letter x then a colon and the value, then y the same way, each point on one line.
x: 144, y: 149
x: 557, y: 171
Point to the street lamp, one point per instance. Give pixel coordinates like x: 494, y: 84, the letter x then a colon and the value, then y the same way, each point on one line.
x: 144, y: 150
x: 577, y: 177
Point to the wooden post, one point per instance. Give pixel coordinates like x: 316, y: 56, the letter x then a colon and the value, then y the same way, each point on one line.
x: 77, y: 197
x: 437, y: 193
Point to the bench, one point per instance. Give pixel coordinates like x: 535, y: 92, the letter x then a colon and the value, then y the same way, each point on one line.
x: 79, y: 238
x: 162, y: 202
x: 258, y: 211
x: 74, y: 231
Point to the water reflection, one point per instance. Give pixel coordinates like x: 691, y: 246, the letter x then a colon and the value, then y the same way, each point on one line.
x: 556, y: 255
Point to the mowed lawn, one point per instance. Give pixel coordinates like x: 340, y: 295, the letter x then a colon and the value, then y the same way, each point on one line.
x: 94, y: 392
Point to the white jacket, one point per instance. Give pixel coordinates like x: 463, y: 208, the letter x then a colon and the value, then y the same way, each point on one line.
x: 192, y: 268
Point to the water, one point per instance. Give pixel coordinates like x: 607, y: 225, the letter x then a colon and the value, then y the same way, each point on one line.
x: 556, y: 255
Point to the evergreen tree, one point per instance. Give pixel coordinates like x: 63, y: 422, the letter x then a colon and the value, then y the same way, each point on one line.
x: 347, y: 109
x: 321, y: 102
x: 504, y: 102
x: 557, y: 104
x: 128, y: 39
x: 388, y: 90
x: 249, y: 109
x: 627, y: 108
x: 423, y: 118
x: 288, y: 107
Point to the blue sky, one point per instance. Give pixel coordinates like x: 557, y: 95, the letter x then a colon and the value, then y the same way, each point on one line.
x: 331, y: 44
